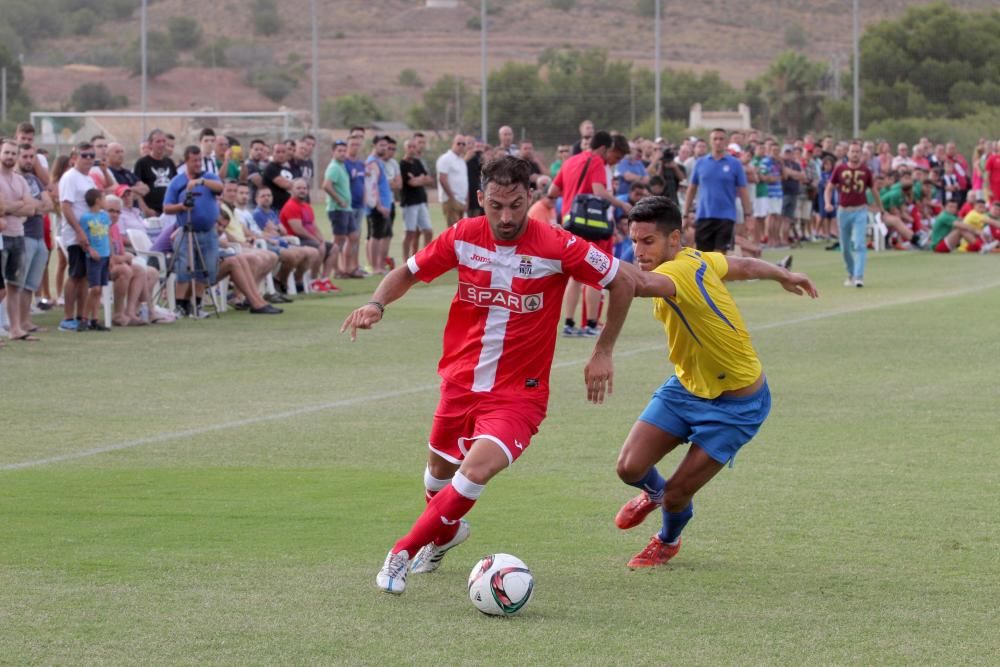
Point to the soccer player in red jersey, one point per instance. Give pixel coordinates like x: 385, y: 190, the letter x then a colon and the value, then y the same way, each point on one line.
x: 498, y: 347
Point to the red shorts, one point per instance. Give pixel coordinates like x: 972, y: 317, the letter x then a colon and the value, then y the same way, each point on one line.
x: 942, y: 246
x: 463, y: 416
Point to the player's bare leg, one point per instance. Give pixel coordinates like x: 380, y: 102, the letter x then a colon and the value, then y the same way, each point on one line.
x: 644, y: 447
x: 442, y: 517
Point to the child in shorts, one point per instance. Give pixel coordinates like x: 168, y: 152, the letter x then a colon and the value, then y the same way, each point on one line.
x: 97, y: 226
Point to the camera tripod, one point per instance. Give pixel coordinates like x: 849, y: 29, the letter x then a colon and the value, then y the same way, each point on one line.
x: 194, y: 253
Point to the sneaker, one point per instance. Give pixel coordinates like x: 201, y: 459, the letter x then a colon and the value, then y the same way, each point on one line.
x: 44, y: 304
x: 429, y: 558
x: 82, y: 325
x: 785, y: 262
x: 329, y: 287
x: 392, y: 577
x: 859, y: 282
x: 318, y: 286
x: 849, y: 282
x: 590, y: 332
x: 97, y: 326
x: 988, y: 247
x: 199, y: 314
x: 266, y: 309
x: 834, y: 246
x: 635, y: 511
x: 68, y: 325
x: 572, y: 331
x: 655, y: 553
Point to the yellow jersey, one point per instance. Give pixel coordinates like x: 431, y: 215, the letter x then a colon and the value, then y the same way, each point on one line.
x: 708, y: 342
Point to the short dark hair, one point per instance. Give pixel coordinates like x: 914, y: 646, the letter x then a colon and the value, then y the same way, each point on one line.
x: 636, y: 185
x: 191, y: 150
x: 84, y: 146
x: 619, y: 142
x: 155, y: 132
x: 601, y: 139
x: 506, y: 170
x: 657, y: 181
x: 716, y: 129
x: 170, y: 136
x: 92, y: 196
x: 417, y: 134
x: 254, y: 142
x: 25, y: 147
x: 207, y: 132
x: 308, y: 136
x: 96, y: 137
x: 659, y: 210
x: 25, y: 128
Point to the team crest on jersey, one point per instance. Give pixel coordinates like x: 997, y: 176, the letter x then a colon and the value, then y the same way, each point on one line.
x: 525, y: 268
x: 485, y: 297
x: 598, y: 260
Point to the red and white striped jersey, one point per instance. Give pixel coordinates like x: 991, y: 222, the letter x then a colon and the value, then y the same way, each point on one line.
x: 502, y: 326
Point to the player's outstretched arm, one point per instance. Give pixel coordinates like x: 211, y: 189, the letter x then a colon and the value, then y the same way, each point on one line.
x: 395, y: 284
x: 748, y: 268
x: 598, y: 374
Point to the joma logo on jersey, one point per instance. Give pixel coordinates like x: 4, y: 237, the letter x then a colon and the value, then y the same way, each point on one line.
x: 480, y: 258
x: 491, y: 296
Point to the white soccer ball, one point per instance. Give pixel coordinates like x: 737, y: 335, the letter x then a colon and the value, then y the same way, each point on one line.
x: 500, y: 585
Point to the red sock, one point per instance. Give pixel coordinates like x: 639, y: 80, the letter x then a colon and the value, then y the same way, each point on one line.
x: 429, y: 495
x: 975, y: 246
x: 440, y: 519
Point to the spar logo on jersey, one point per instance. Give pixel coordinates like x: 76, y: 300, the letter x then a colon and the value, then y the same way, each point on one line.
x: 598, y: 260
x: 484, y: 297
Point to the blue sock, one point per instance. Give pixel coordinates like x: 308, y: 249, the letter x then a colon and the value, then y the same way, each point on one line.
x: 674, y: 522
x: 653, y: 484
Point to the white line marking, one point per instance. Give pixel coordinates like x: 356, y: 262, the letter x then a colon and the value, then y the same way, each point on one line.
x: 201, y: 430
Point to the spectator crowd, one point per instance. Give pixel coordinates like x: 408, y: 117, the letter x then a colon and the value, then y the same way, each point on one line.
x: 158, y: 238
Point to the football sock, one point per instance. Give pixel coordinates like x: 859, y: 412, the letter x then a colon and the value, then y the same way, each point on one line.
x: 439, y: 521
x: 653, y: 484
x: 674, y: 522
x: 570, y: 322
x: 184, y: 305
x: 592, y: 324
x: 432, y: 484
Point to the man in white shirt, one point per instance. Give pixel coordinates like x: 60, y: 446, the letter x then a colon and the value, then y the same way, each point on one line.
x: 73, y: 188
x: 453, y: 181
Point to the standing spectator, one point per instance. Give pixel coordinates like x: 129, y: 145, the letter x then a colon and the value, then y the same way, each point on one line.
x: 253, y: 168
x: 337, y: 186
x: 298, y: 219
x: 791, y: 188
x: 207, y: 140
x: 527, y: 153
x: 453, y: 181
x: 73, y: 187
x: 476, y: 157
x: 586, y: 134
x: 302, y: 163
x: 992, y: 173
x: 196, y: 220
x: 562, y: 152
x: 278, y: 176
x: 587, y: 173
x: 852, y: 182
x: 378, y: 199
x: 155, y: 171
x: 672, y: 173
x: 36, y: 253
x: 720, y: 179
x: 25, y: 134
x: 506, y: 145
x: 416, y: 180
x: 99, y: 172
x: 17, y: 205
x: 97, y: 225
x: 395, y: 180
x: 356, y: 170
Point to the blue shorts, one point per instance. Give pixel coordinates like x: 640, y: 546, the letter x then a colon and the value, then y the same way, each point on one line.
x: 720, y: 426
x: 344, y: 223
x: 98, y: 271
x: 205, y: 265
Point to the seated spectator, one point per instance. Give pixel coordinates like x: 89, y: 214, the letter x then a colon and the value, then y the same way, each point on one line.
x: 237, y: 268
x: 293, y: 258
x: 298, y: 219
x: 985, y: 225
x: 948, y: 232
x: 262, y: 261
x: 132, y: 281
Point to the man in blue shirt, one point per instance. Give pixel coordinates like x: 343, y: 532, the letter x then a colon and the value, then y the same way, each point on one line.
x: 716, y: 180
x: 631, y: 170
x: 196, y: 217
x: 355, y: 165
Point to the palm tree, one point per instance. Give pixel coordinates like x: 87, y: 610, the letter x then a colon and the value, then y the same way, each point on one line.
x: 791, y: 88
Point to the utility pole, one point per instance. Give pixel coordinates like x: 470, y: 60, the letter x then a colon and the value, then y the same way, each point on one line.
x: 143, y: 104
x: 856, y: 68
x: 482, y: 48
x: 656, y: 106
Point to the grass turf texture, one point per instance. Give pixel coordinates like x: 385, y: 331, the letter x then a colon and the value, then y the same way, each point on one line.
x: 859, y: 527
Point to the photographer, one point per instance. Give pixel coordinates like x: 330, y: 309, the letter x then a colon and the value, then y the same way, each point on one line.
x: 191, y: 197
x: 672, y: 172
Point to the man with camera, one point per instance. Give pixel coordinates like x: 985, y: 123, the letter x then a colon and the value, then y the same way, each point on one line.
x: 672, y: 172
x: 191, y: 197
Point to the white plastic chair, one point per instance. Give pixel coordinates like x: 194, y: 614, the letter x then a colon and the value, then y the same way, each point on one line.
x: 140, y: 242
x: 878, y: 231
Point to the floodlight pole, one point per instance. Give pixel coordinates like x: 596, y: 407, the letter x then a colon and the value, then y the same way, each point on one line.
x: 482, y: 48
x: 856, y: 68
x: 315, y: 89
x: 142, y: 48
x: 656, y: 67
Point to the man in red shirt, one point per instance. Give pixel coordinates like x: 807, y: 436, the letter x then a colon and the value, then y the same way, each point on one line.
x: 298, y: 219
x: 499, y: 341
x: 587, y: 173
x: 993, y: 172
x: 852, y: 181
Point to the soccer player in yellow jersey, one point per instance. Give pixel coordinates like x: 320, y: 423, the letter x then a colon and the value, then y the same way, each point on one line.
x: 717, y: 398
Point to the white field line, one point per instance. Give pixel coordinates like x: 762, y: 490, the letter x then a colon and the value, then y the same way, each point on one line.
x: 367, y: 399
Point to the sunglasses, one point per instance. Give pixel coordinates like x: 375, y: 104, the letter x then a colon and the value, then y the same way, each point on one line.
x: 114, y: 210
x: 88, y: 156
x: 459, y: 143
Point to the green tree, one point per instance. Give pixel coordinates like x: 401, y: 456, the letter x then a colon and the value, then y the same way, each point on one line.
x: 266, y: 19
x: 184, y: 31
x: 409, y: 77
x: 446, y: 105
x: 791, y: 89
x: 160, y: 54
x: 95, y: 97
x: 349, y: 110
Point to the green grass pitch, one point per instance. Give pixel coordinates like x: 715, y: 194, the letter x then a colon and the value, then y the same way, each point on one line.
x: 223, y: 492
